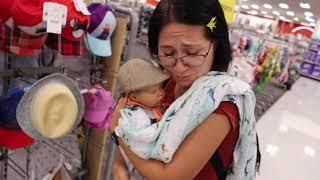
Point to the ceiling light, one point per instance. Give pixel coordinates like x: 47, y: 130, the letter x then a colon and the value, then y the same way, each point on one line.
x: 254, y: 6
x: 310, y: 19
x: 268, y: 16
x: 267, y: 6
x: 245, y: 7
x: 253, y: 12
x: 290, y: 13
x: 296, y: 19
x: 282, y: 18
x: 283, y: 6
x: 313, y: 24
x: 264, y: 12
x: 305, y: 5
x: 308, y: 13
x: 277, y: 13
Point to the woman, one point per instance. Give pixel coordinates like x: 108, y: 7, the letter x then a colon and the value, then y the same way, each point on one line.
x: 189, y: 39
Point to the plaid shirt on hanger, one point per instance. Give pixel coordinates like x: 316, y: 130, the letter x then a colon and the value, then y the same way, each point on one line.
x: 20, y: 43
x: 64, y: 46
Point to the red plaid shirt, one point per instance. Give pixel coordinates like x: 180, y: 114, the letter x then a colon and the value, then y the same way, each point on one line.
x: 18, y: 42
x: 64, y: 46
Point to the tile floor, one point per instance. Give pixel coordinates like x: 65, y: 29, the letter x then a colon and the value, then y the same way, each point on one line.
x: 290, y: 135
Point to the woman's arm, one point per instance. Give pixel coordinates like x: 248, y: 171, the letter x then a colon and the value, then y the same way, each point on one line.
x: 191, y: 156
x: 119, y: 168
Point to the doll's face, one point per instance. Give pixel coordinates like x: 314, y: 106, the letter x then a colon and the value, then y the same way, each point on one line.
x: 150, y: 96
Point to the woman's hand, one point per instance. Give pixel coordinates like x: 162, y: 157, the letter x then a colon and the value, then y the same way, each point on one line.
x: 119, y: 168
x: 120, y: 173
x: 122, y: 101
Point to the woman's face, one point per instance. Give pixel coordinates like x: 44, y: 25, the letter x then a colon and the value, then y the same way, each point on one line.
x: 180, y: 40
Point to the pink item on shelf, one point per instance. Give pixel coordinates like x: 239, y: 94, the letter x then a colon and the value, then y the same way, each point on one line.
x: 98, y: 108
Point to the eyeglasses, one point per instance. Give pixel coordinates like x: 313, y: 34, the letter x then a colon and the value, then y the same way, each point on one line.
x: 189, y: 60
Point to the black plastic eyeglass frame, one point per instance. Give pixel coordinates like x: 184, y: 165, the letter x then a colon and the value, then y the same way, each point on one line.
x: 182, y: 60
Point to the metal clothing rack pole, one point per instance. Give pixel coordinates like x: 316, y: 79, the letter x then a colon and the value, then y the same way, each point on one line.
x: 95, y: 157
x: 133, y: 26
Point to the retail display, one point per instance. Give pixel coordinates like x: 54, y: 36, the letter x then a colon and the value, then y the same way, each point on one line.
x: 51, y: 108
x: 310, y: 67
x: 145, y: 13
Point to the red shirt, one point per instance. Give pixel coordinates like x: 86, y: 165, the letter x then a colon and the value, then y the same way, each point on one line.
x: 225, y: 150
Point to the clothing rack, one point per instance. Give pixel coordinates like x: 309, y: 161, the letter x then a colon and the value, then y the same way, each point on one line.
x: 95, y: 158
x: 93, y: 140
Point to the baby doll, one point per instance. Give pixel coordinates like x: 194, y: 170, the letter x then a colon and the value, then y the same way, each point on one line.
x: 142, y: 83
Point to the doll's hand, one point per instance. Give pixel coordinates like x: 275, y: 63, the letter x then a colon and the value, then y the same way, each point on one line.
x: 122, y: 101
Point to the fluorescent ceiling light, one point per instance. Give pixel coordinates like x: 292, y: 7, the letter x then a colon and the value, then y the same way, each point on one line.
x: 282, y: 18
x: 253, y: 12
x: 313, y: 24
x: 264, y: 12
x: 268, y: 16
x: 244, y: 6
x: 283, y: 6
x: 254, y: 6
x: 267, y: 6
x: 308, y: 14
x: 290, y: 13
x: 310, y: 19
x: 305, y: 5
x: 277, y: 13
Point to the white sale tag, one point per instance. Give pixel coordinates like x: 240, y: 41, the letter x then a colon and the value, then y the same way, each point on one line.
x: 54, y: 18
x: 51, y: 6
x: 54, y: 25
x: 81, y: 7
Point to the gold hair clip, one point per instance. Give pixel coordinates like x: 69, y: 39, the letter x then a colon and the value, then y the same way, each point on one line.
x: 212, y: 23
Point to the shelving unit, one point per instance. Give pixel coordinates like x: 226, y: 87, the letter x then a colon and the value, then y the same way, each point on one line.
x: 310, y: 67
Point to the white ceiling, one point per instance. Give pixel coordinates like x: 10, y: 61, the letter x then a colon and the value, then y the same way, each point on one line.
x: 293, y: 5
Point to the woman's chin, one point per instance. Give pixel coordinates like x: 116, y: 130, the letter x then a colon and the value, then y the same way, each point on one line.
x: 184, y: 83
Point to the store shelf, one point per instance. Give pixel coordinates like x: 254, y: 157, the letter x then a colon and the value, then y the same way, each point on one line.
x: 310, y: 76
x: 316, y: 50
x: 311, y: 62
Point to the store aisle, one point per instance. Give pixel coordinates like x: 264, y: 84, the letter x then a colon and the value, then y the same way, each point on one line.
x: 290, y: 134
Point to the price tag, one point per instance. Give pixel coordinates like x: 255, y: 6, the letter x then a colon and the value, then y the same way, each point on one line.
x: 49, y: 7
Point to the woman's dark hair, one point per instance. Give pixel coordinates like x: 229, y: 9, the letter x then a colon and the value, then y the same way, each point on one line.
x: 193, y: 12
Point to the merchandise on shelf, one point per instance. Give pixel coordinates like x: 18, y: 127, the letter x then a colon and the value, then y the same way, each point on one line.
x: 310, y: 67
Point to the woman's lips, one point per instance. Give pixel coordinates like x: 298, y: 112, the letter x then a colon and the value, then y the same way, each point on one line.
x: 183, y: 77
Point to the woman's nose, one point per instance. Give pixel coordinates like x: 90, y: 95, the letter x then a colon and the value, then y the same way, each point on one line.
x: 179, y: 67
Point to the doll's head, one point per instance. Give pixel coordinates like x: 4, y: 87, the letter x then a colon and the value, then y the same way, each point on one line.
x: 142, y: 81
x: 150, y: 96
